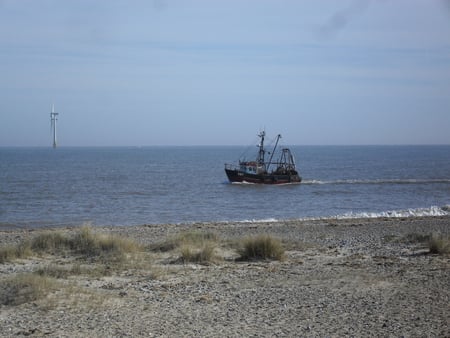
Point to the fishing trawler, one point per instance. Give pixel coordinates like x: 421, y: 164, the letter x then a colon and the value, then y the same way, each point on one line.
x: 279, y: 171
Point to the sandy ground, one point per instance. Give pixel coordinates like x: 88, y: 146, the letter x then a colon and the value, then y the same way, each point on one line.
x: 340, y: 278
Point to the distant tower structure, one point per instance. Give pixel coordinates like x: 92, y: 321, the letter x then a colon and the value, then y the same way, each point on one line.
x: 53, y: 119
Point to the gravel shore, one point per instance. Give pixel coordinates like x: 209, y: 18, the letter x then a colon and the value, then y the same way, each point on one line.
x: 357, y: 277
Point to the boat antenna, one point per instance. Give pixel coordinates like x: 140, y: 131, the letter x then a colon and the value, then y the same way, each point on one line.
x: 53, y: 119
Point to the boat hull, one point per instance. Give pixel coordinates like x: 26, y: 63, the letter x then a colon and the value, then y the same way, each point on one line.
x: 237, y: 176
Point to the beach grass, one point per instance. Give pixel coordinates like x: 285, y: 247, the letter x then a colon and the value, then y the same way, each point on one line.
x: 202, y: 255
x: 193, y: 246
x: 9, y: 253
x: 50, y: 242
x: 261, y: 247
x: 59, y: 271
x: 24, y: 288
x: 44, y: 290
x: 195, y: 236
x: 184, y: 238
x: 86, y: 243
x: 100, y: 247
x: 439, y: 244
x: 84, y: 252
x: 196, y: 246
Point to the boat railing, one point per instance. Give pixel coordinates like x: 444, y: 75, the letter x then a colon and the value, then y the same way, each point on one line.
x: 231, y: 166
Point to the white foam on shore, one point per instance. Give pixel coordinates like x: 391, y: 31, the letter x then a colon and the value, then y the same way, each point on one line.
x: 379, y: 181
x: 266, y: 220
x: 432, y: 211
x: 419, y: 212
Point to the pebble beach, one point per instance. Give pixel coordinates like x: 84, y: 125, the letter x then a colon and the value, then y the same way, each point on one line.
x: 354, y: 277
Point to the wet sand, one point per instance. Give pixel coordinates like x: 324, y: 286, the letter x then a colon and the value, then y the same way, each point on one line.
x: 358, y: 277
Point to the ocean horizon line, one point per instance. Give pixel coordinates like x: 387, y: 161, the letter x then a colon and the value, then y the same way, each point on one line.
x: 214, y: 145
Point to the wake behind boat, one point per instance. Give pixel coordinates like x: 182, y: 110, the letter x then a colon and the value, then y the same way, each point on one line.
x: 279, y: 171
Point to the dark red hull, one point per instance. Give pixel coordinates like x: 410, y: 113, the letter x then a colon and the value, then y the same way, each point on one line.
x: 237, y: 176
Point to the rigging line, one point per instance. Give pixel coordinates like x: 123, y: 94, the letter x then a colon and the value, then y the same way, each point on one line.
x: 247, y: 149
x: 272, y: 141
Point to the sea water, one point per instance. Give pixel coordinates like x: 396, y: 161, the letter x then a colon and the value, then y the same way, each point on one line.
x: 155, y: 185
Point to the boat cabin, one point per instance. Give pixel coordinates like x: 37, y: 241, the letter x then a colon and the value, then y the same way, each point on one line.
x: 252, y: 168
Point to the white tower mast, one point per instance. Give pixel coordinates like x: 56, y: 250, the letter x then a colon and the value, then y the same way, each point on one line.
x: 53, y: 119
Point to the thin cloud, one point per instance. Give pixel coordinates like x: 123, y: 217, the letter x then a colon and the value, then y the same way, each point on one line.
x: 341, y: 18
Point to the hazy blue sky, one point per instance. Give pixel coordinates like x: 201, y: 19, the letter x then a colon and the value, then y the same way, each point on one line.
x: 173, y: 72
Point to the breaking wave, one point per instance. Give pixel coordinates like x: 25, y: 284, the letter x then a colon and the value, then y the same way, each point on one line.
x: 432, y: 211
x: 266, y: 220
x: 380, y: 181
x: 419, y: 212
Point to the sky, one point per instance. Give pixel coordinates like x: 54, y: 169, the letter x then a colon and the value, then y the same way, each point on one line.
x: 216, y: 72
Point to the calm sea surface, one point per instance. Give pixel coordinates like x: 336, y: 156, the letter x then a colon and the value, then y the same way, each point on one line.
x: 152, y: 185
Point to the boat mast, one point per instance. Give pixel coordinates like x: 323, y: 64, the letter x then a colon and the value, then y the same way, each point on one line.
x: 260, y: 159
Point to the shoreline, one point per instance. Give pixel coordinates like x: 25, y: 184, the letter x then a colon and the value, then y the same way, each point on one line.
x: 340, y: 277
x: 417, y: 213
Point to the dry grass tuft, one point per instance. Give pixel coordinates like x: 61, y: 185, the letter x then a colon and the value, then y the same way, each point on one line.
x: 197, y: 237
x: 201, y: 255
x: 7, y: 254
x: 105, y: 248
x: 193, y: 246
x: 90, y: 245
x: 57, y: 271
x: 197, y: 246
x: 191, y: 237
x: 261, y: 247
x: 24, y: 288
x: 439, y: 244
x: 50, y: 242
x: 11, y: 252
